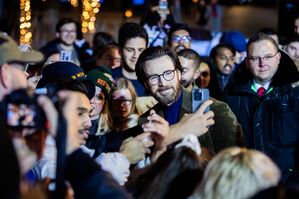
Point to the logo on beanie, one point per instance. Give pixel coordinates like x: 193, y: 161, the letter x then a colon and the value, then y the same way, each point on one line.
x: 78, y: 75
x: 104, y: 84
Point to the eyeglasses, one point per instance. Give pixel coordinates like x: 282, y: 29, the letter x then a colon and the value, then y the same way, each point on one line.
x: 124, y: 102
x: 155, y: 79
x: 204, y: 74
x: 184, y: 39
x: 259, y: 59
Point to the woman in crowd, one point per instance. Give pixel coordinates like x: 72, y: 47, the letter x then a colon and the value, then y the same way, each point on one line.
x: 123, y: 113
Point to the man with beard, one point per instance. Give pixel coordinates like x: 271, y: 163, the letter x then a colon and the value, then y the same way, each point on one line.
x: 132, y: 39
x: 159, y: 70
x: 66, y: 33
x: 179, y: 37
x: 190, y: 61
x: 222, y: 65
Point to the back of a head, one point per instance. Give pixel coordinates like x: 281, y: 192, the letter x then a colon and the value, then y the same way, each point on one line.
x: 238, y: 173
x: 235, y: 39
x: 176, y: 171
x: 131, y: 30
x: 189, y: 53
x: 102, y: 39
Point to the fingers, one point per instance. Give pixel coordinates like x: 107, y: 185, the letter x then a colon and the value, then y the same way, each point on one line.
x: 203, y: 107
x: 142, y: 136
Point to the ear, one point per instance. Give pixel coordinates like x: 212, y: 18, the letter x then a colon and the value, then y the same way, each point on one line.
x: 57, y: 34
x: 196, y: 74
x: 4, y: 70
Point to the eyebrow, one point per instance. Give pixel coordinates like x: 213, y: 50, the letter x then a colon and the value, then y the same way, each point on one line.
x: 84, y: 110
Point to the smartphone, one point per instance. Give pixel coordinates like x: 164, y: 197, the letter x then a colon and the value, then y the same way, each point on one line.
x: 21, y: 115
x: 199, y: 96
x: 163, y: 4
x: 65, y: 55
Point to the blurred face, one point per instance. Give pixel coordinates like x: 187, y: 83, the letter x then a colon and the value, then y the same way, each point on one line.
x: 52, y: 58
x: 97, y: 104
x: 111, y: 58
x: 67, y: 34
x: 293, y: 49
x: 188, y: 70
x: 131, y: 51
x: 205, y: 75
x: 296, y: 25
x: 17, y: 76
x: 83, y: 110
x: 163, y: 79
x: 262, y: 61
x: 180, y: 39
x: 121, y: 103
x: 224, y: 61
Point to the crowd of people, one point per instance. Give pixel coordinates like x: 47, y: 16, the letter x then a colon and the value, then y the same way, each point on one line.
x: 121, y: 119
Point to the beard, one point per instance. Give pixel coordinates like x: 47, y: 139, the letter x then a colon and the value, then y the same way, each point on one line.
x: 179, y: 48
x: 168, y: 99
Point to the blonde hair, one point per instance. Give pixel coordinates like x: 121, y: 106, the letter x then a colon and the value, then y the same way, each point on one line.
x: 238, y: 173
x: 132, y: 119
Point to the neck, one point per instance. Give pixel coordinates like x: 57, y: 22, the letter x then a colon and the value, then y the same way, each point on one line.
x: 189, y: 87
x: 66, y: 47
x: 130, y: 75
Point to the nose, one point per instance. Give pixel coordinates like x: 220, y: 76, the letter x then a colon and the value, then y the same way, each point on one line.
x: 297, y: 54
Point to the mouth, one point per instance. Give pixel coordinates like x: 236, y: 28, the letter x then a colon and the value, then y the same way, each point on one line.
x: 165, y: 91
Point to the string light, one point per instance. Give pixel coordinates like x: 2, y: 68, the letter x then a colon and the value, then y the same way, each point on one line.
x: 74, y: 3
x: 25, y: 24
x: 88, y: 16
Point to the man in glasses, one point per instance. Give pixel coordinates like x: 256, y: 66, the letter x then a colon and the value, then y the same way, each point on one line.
x: 264, y: 97
x: 179, y: 37
x: 12, y: 65
x: 160, y: 71
x: 66, y: 34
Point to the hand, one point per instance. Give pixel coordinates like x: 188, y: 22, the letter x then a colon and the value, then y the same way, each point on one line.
x: 136, y: 148
x: 159, y: 128
x: 196, y: 123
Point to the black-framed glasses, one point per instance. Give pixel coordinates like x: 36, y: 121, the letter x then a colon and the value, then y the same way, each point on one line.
x: 177, y: 38
x: 259, y: 59
x: 167, y: 75
x: 125, y: 102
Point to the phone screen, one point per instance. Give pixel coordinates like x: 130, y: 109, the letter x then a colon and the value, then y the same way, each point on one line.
x: 21, y: 115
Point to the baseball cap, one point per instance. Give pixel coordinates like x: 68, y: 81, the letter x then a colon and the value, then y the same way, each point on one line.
x: 59, y: 72
x: 102, y: 78
x: 9, y: 52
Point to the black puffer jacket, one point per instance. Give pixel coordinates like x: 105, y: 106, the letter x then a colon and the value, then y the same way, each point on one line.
x: 270, y: 123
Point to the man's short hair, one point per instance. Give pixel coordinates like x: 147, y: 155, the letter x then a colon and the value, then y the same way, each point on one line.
x: 152, y: 53
x: 214, y: 51
x: 131, y: 30
x: 190, y: 54
x: 294, y: 38
x: 175, y: 27
x: 64, y: 21
x: 260, y: 37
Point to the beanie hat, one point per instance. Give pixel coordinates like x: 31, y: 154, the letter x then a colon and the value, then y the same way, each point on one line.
x: 235, y: 39
x: 102, y: 78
